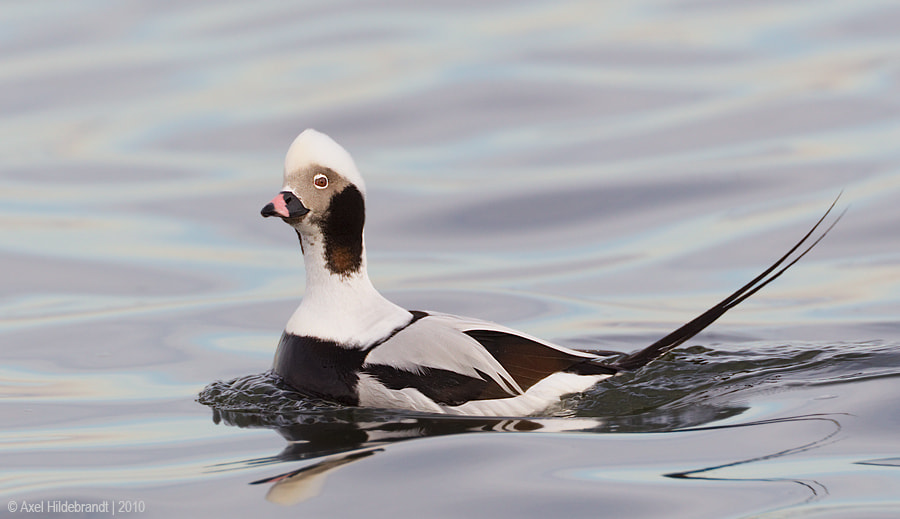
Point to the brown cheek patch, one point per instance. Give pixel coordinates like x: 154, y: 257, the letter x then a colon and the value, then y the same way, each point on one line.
x: 342, y: 229
x: 343, y: 260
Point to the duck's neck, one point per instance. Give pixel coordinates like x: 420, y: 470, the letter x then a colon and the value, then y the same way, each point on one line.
x: 340, y: 303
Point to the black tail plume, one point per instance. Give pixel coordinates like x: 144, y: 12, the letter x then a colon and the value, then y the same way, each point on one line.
x: 641, y: 358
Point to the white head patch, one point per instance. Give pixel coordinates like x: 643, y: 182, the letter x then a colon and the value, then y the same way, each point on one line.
x: 316, y: 148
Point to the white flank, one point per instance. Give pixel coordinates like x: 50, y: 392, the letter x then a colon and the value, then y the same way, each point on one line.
x: 537, y: 398
x: 373, y: 393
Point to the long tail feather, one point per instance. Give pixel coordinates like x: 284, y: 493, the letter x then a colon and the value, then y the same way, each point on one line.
x: 660, y: 347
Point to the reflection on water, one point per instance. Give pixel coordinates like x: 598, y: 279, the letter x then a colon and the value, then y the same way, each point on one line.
x: 816, y: 488
x: 334, y: 438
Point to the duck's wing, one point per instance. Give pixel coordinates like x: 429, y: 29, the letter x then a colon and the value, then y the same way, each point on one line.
x: 453, y: 360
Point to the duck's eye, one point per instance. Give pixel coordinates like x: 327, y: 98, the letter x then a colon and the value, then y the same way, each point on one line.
x: 320, y: 181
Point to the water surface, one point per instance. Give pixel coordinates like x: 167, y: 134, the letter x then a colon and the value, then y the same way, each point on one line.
x: 594, y: 174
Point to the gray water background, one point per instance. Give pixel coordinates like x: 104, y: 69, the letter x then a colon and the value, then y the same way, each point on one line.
x: 594, y: 173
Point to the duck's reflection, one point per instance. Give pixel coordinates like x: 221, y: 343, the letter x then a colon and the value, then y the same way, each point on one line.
x: 299, y: 485
x: 342, y: 436
x: 329, y: 432
x: 328, y: 438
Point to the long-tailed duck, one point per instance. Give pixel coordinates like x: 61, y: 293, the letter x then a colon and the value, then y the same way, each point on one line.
x: 346, y: 343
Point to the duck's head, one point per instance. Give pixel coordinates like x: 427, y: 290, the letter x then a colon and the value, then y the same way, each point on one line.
x: 323, y: 198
